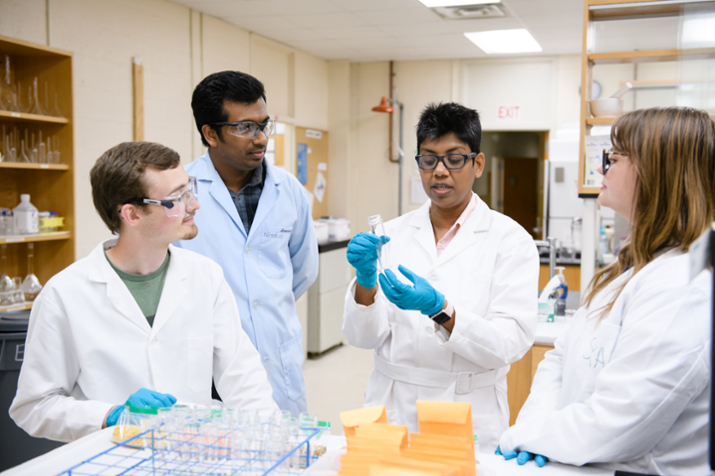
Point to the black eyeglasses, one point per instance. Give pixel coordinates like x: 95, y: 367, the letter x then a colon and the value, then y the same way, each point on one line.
x: 450, y: 161
x: 248, y: 129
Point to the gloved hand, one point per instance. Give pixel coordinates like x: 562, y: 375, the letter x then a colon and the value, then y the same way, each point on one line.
x: 420, y: 297
x: 144, y: 397
x: 362, y: 255
x: 114, y: 415
x: 522, y: 457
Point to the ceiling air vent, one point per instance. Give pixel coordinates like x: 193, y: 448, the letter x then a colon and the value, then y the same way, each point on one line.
x: 470, y: 12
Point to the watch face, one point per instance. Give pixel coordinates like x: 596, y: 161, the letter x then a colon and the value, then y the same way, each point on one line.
x: 441, y: 318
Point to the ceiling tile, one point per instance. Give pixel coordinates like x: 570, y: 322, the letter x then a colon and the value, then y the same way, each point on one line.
x: 398, y: 16
x: 355, y: 5
x: 355, y: 32
x: 325, y: 20
x: 264, y: 23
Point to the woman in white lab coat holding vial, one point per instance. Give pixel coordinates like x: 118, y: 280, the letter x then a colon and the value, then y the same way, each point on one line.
x: 627, y: 386
x: 466, y: 307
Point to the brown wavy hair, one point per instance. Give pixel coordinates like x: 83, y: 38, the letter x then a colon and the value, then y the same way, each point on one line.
x: 673, y: 151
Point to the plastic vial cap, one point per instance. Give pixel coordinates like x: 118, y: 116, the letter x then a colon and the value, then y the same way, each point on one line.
x: 560, y: 270
x: 374, y: 220
x: 25, y: 197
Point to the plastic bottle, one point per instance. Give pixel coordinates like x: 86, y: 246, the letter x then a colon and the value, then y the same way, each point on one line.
x: 25, y: 216
x: 561, y: 292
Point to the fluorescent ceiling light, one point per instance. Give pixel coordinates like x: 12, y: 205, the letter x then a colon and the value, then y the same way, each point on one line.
x: 504, y: 41
x: 455, y: 3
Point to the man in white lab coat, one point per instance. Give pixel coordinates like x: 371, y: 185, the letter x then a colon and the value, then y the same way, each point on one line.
x: 137, y: 320
x: 467, y: 308
x: 256, y: 223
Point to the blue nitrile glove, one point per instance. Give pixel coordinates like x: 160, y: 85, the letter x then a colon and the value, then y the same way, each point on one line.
x: 362, y: 255
x: 114, y: 415
x: 522, y: 457
x: 420, y: 297
x: 145, y: 397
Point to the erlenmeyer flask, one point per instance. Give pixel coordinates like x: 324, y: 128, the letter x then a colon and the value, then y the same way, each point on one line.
x: 31, y: 286
x: 57, y: 112
x: 36, y: 107
x: 9, y: 95
x: 7, y: 288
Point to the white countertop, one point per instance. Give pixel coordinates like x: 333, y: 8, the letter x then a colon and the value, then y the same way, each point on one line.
x: 73, y: 453
x: 548, y: 332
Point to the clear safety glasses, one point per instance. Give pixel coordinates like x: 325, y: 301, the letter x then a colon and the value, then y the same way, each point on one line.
x: 177, y: 203
x: 248, y: 129
x: 450, y: 161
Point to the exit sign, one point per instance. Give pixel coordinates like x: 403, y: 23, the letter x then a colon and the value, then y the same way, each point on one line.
x: 509, y: 113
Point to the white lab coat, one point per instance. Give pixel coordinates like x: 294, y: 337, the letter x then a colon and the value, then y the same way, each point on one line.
x: 630, y: 390
x: 489, y: 272
x: 268, y: 269
x: 89, y: 346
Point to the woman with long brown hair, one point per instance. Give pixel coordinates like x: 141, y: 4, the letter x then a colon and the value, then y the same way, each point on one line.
x: 627, y: 386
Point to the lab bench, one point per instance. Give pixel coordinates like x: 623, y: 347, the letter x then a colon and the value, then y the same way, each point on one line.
x: 80, y: 450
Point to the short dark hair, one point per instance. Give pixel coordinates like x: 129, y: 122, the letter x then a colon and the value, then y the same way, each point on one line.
x: 439, y: 119
x: 116, y: 177
x: 214, y: 89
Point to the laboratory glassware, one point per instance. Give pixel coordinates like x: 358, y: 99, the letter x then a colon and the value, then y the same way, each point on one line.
x: 378, y: 228
x: 36, y: 107
x: 8, y: 92
x: 31, y: 286
x: 7, y: 287
x: 19, y: 295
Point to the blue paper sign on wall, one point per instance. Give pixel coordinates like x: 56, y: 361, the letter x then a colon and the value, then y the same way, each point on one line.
x: 303, y: 163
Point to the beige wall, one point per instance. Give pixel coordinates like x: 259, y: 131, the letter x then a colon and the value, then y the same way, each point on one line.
x: 178, y: 48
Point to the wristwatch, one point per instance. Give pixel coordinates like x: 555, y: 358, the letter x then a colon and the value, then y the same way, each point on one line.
x: 444, y: 315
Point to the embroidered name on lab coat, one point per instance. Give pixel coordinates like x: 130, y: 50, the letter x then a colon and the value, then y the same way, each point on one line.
x: 276, y: 234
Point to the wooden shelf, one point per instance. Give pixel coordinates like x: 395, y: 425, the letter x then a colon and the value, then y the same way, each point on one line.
x: 619, y: 57
x: 593, y: 121
x: 23, y: 306
x: 59, y: 235
x: 23, y: 117
x: 24, y: 166
x: 604, y: 10
x: 50, y: 186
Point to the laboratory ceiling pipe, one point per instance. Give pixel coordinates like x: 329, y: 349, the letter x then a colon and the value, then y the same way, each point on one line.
x: 384, y: 106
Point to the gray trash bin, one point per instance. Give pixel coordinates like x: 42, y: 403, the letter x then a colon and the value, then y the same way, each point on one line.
x: 16, y: 445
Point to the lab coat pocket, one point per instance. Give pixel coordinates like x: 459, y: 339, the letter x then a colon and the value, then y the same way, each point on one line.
x: 291, y: 359
x: 200, y: 363
x: 273, y: 253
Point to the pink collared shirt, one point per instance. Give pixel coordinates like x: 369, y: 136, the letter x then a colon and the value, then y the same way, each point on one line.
x: 447, y: 238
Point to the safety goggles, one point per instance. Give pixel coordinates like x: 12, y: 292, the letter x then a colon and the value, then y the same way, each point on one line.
x: 248, y: 129
x: 450, y: 161
x: 175, y: 204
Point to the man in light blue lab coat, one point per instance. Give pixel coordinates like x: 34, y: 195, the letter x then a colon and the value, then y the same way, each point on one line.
x: 256, y: 222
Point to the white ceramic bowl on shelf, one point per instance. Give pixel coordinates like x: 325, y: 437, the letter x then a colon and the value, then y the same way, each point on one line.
x: 607, y: 107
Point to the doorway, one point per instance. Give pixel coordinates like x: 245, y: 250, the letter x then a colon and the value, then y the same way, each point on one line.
x: 513, y: 178
x: 520, y: 192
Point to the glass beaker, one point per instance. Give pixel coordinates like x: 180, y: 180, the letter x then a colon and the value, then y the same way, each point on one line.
x: 31, y: 286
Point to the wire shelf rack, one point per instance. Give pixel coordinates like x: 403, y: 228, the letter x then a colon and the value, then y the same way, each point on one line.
x: 155, y: 452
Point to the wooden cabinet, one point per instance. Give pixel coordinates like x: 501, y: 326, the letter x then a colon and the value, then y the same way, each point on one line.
x: 51, y: 186
x: 595, y: 13
x: 520, y: 378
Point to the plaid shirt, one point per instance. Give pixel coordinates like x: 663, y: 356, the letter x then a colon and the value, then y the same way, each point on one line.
x: 246, y: 200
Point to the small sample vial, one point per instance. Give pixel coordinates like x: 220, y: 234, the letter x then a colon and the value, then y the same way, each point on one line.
x: 378, y: 228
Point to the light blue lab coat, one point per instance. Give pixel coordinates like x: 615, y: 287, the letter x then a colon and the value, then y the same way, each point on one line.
x: 267, y: 270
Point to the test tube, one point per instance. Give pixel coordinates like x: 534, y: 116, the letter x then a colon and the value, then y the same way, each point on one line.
x: 378, y: 228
